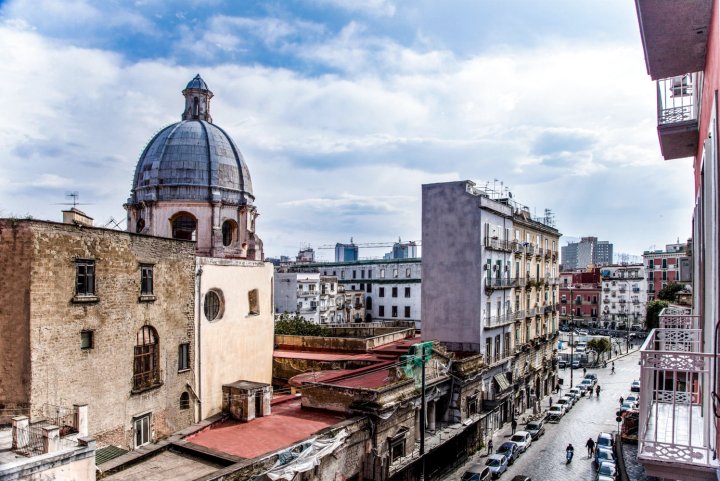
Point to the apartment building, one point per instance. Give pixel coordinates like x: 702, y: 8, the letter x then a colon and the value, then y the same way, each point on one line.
x: 623, y: 297
x: 678, y: 426
x: 580, y: 297
x: 489, y: 285
x: 305, y: 292
x: 664, y: 267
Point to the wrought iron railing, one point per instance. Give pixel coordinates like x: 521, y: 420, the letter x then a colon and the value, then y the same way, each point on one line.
x: 499, y: 320
x: 498, y: 244
x: 677, y: 99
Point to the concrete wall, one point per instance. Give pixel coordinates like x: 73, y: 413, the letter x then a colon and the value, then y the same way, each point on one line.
x: 63, y: 374
x: 452, y: 265
x: 238, y: 345
x: 73, y: 465
x: 16, y: 257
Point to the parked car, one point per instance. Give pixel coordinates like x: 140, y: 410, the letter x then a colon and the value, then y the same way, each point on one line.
x: 565, y: 402
x: 510, y: 450
x: 497, y: 463
x: 591, y: 376
x: 634, y: 398
x: 604, y: 440
x: 589, y: 385
x: 555, y: 412
x: 576, y: 365
x: 604, y: 454
x: 521, y: 477
x: 562, y: 363
x: 602, y: 477
x: 576, y: 392
x: 523, y: 439
x: 635, y: 386
x: 535, y: 428
x: 608, y: 469
x: 477, y: 472
x: 627, y: 406
x: 583, y: 388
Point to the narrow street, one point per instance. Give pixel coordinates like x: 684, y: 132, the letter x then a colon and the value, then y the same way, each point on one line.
x: 545, y: 459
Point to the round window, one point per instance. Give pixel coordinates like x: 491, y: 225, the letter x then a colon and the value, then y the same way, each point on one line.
x: 213, y: 305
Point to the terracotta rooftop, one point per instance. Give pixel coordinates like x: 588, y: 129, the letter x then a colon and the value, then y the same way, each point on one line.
x: 287, y: 424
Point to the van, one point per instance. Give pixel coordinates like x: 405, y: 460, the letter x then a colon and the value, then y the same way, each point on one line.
x: 477, y: 472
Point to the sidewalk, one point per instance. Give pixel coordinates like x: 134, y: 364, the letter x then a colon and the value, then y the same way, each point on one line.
x: 501, y: 435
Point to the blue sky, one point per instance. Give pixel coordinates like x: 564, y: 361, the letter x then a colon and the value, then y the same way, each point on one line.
x: 343, y: 109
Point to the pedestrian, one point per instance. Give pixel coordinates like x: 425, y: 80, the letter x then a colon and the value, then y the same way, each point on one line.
x: 513, y: 425
x: 597, y: 390
x: 584, y: 372
x: 590, y: 445
x: 490, y: 446
x: 550, y: 401
x: 622, y: 400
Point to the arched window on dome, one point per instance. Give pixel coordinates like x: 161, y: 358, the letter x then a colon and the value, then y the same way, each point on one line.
x: 184, y: 226
x: 229, y: 229
x: 196, y: 108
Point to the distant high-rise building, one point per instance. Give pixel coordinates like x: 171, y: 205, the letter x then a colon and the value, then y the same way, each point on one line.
x: 306, y: 255
x: 346, y: 252
x: 589, y: 251
x: 402, y: 250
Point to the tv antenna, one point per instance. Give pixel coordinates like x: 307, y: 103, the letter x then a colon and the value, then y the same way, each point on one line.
x: 75, y: 195
x: 113, y: 224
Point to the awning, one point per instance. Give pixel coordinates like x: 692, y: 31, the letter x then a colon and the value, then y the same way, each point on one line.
x: 502, y: 381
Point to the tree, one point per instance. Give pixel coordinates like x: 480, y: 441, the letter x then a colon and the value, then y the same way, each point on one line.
x: 599, y: 345
x: 296, y: 325
x: 652, y: 315
x: 669, y: 292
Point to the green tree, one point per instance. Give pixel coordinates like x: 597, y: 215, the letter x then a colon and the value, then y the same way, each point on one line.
x: 599, y: 345
x: 652, y: 315
x: 669, y: 292
x: 296, y: 325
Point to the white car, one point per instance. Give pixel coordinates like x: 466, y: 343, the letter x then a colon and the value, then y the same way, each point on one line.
x: 555, y: 412
x: 566, y: 402
x: 523, y: 439
x: 633, y: 398
x: 576, y: 393
x: 588, y: 384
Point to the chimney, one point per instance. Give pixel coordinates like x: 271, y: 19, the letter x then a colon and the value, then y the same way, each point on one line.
x: 76, y: 217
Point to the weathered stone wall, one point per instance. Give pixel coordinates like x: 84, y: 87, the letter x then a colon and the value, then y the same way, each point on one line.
x: 285, y: 368
x: 16, y: 255
x: 102, y: 377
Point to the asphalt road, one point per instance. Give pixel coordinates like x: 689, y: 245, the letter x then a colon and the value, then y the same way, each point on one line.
x: 545, y: 458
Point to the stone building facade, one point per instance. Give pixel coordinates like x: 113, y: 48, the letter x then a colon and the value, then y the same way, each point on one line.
x: 100, y: 317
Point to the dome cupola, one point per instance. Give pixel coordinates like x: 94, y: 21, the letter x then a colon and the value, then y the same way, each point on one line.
x: 193, y: 172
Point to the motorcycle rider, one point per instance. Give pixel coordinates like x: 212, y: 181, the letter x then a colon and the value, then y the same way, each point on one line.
x: 569, y: 452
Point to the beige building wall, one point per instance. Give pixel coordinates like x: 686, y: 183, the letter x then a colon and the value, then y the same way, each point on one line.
x: 238, y: 345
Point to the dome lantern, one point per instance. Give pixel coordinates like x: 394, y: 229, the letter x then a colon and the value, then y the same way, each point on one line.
x: 197, y: 100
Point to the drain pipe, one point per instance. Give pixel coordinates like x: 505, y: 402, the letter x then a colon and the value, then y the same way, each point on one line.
x: 198, y: 274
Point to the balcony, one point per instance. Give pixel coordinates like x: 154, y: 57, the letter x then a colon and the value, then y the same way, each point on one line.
x: 677, y: 103
x: 517, y: 247
x: 500, y: 283
x: 676, y: 414
x: 530, y: 249
x: 499, y: 320
x: 678, y: 319
x: 674, y: 35
x: 498, y: 244
x: 301, y: 293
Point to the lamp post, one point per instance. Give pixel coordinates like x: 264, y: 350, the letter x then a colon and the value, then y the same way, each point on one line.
x: 572, y: 331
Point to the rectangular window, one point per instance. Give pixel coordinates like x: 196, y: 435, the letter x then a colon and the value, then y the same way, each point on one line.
x: 395, y: 273
x: 85, y: 277
x: 253, y: 303
x: 407, y: 272
x: 368, y: 287
x: 664, y: 263
x: 362, y: 274
x: 184, y: 356
x: 86, y: 340
x: 146, y: 280
x: 381, y: 311
x: 382, y: 273
x: 394, y: 311
x: 407, y: 292
x: 472, y: 405
x: 354, y: 274
x: 362, y: 286
x: 381, y: 292
x: 394, y: 291
x: 369, y: 273
x: 141, y: 426
x: 407, y: 311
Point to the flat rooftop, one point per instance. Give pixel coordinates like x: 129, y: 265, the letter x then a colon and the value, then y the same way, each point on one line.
x: 288, y: 424
x: 167, y: 465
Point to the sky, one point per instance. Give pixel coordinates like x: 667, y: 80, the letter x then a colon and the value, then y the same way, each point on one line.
x: 343, y: 109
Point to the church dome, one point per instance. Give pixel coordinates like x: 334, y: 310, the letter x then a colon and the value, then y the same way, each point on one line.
x: 193, y: 160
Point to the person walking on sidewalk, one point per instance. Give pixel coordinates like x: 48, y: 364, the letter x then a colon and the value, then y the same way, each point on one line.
x: 550, y: 401
x: 490, y: 446
x: 590, y: 445
x: 513, y: 425
x: 622, y: 400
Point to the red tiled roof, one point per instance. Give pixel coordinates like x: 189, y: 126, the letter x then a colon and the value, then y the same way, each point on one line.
x: 287, y: 424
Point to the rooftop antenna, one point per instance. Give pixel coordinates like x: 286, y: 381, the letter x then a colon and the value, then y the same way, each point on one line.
x: 75, y: 195
x: 113, y: 224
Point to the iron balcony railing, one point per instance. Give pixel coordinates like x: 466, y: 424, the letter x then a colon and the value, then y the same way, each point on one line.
x: 498, y: 244
x: 677, y: 99
x: 499, y: 320
x: 675, y: 403
x: 501, y: 282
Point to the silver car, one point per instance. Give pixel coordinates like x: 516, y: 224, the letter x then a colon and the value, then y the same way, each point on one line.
x: 497, y: 463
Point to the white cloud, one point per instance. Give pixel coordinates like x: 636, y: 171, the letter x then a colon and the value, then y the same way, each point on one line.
x: 567, y: 126
x: 380, y: 8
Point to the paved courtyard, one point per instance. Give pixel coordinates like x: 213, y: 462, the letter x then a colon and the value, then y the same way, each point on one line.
x: 545, y: 459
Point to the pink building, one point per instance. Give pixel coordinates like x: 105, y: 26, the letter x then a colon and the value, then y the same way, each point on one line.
x: 678, y: 424
x: 580, y: 296
x: 665, y: 267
